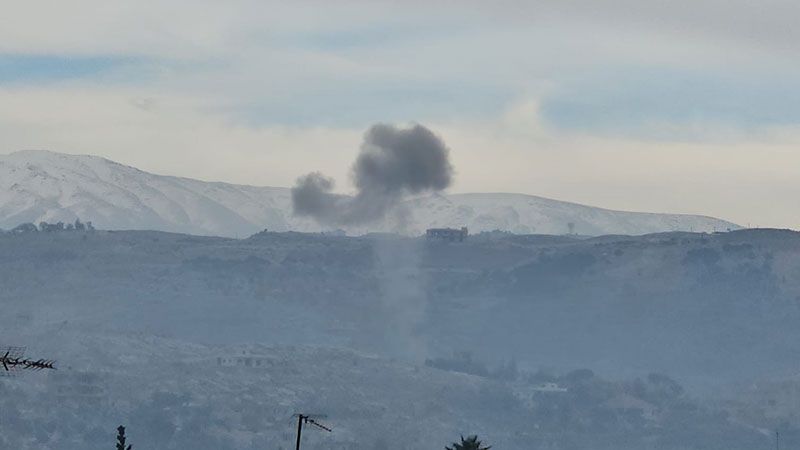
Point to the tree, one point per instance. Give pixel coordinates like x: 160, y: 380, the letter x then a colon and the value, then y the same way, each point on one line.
x: 470, y: 443
x: 121, y: 439
x: 25, y: 228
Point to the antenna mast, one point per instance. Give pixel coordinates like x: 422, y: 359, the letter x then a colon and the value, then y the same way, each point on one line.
x: 11, y: 360
x: 306, y: 418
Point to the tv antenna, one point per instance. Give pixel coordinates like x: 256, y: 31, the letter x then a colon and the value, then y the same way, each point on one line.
x: 11, y: 360
x: 309, y: 419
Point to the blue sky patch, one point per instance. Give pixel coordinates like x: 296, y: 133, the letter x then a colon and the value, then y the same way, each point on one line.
x: 629, y: 101
x: 41, y: 68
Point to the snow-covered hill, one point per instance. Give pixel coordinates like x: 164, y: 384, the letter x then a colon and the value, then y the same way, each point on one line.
x: 46, y: 186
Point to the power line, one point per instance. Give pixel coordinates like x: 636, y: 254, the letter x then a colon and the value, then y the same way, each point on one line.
x: 308, y: 419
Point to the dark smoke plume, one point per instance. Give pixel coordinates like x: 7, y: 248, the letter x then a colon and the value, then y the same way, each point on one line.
x: 392, y: 164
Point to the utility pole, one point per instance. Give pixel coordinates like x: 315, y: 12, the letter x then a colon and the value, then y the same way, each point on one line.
x: 299, y: 430
x: 305, y: 418
x: 777, y: 440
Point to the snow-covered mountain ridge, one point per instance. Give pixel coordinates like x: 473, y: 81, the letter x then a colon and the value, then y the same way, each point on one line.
x: 46, y: 186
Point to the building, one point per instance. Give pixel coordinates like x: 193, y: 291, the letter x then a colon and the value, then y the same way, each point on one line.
x: 447, y: 234
x: 549, y: 387
x: 531, y: 396
x: 245, y: 358
x: 75, y: 385
x: 630, y: 404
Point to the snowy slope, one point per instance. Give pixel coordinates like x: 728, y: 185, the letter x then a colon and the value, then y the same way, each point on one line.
x: 45, y: 186
x: 526, y: 214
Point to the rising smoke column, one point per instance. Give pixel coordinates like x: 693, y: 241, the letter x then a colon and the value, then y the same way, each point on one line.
x: 393, y: 163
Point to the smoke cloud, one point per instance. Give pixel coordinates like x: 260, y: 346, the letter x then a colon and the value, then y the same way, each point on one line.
x: 393, y: 163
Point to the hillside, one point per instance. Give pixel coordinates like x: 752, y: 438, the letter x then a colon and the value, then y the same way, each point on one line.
x: 701, y: 307
x: 176, y: 395
x: 402, y: 342
x: 45, y: 186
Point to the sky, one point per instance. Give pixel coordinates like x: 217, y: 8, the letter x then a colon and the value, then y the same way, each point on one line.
x: 663, y: 106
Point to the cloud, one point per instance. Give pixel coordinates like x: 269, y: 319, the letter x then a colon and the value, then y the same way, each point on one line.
x: 273, y: 63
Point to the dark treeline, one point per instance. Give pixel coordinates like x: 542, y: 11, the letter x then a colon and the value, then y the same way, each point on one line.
x: 45, y: 227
